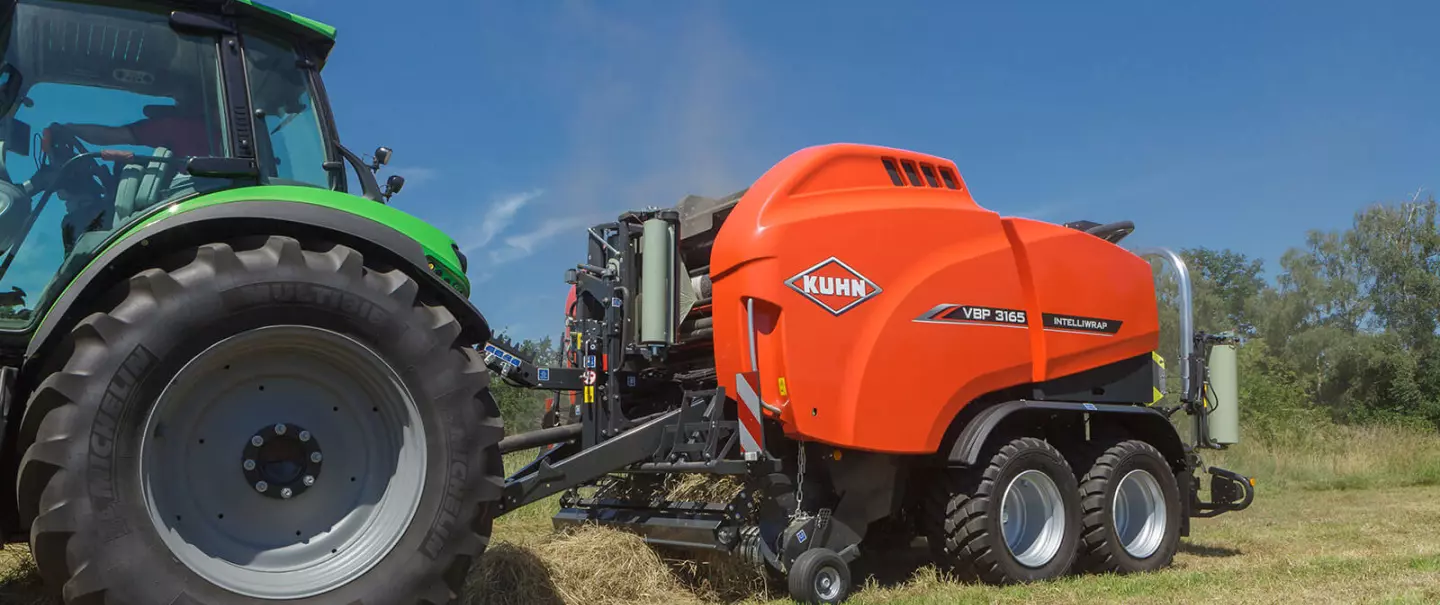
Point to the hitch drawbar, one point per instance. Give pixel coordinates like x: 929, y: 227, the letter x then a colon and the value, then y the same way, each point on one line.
x: 1229, y: 492
x: 515, y: 368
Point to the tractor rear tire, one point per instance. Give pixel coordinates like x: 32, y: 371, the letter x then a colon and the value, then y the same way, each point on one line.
x: 158, y: 467
x: 967, y: 511
x: 1131, y: 503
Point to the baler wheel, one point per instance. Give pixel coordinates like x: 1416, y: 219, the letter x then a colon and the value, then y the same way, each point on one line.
x: 1016, y: 519
x: 1131, y: 504
x: 818, y: 576
x: 262, y: 419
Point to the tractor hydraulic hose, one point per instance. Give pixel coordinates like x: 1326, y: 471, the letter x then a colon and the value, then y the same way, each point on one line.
x: 542, y: 437
x: 559, y: 434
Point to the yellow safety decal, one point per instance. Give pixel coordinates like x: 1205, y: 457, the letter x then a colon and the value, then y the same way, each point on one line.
x: 783, y: 392
x: 589, y: 394
x: 1159, y: 361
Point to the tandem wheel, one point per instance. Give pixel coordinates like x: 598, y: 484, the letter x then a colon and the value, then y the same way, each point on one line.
x: 819, y: 575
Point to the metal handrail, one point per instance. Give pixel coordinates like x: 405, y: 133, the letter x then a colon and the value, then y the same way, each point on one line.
x: 1187, y: 318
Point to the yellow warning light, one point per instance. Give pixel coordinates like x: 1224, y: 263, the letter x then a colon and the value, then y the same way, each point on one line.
x: 836, y: 455
x: 1252, y: 482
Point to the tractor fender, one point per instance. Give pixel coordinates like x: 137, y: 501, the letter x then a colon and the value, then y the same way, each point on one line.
x: 1143, y: 423
x: 194, y: 227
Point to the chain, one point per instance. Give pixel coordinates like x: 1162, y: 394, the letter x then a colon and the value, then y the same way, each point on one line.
x: 800, y: 483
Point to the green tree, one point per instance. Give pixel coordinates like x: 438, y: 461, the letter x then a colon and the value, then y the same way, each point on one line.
x: 1225, y: 283
x: 522, y: 408
x: 1397, y: 248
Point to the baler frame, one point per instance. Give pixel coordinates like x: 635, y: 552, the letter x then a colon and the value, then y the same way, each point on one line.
x: 608, y: 441
x: 703, y: 433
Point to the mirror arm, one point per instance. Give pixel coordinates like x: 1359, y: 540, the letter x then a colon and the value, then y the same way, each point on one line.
x: 371, y: 189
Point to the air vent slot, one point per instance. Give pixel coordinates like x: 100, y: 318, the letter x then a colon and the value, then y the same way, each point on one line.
x: 911, y: 173
x: 933, y: 176
x: 949, y: 178
x: 929, y: 174
x: 894, y: 171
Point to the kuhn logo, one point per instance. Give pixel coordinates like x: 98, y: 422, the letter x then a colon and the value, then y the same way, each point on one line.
x: 833, y: 285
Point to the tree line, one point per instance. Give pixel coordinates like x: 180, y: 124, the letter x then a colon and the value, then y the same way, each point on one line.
x: 1346, y: 332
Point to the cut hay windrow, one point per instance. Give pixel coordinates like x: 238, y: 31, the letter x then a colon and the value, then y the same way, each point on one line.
x: 598, y: 565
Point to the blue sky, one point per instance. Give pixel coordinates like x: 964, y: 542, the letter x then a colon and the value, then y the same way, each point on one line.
x: 1228, y: 124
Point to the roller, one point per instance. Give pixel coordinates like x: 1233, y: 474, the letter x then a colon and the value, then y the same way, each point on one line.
x: 657, y: 320
x: 1223, y: 418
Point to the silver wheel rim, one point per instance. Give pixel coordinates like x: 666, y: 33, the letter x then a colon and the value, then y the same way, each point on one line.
x: 360, y: 489
x: 1032, y: 518
x: 827, y: 584
x: 1139, y: 513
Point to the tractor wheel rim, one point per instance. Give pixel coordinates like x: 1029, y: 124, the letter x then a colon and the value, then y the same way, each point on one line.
x: 827, y: 584
x: 1032, y: 518
x: 1139, y: 513
x: 198, y: 462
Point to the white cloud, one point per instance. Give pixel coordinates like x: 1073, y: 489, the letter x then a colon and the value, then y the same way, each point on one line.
x: 414, y: 175
x: 524, y: 244
x: 496, y: 237
x: 653, y: 114
x: 497, y: 217
x: 480, y: 276
x: 648, y: 115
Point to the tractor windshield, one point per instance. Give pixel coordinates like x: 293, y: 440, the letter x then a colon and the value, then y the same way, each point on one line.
x: 100, y: 108
x: 291, y: 145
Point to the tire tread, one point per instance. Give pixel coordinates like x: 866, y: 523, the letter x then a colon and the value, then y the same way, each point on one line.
x: 956, y: 514
x: 49, y: 447
x: 1096, y: 551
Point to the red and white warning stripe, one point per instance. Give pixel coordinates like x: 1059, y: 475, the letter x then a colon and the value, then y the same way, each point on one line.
x: 752, y: 439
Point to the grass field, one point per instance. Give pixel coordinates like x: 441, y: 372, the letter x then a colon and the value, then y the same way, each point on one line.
x: 1342, y: 516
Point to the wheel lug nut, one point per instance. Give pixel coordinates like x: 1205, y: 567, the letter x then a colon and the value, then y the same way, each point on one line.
x: 257, y: 441
x: 309, y: 480
x: 280, y: 429
x: 261, y: 486
x: 315, y: 457
x: 304, y: 435
x: 286, y: 493
x: 249, y: 465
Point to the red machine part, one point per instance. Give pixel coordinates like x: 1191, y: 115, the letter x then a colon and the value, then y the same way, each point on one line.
x: 569, y: 354
x: 885, y: 299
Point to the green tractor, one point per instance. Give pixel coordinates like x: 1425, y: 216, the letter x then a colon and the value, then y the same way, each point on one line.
x: 228, y: 377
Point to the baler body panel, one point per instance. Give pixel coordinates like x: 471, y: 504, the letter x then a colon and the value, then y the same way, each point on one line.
x: 882, y: 309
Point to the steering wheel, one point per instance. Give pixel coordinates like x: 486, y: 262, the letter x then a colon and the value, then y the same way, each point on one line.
x: 60, y: 155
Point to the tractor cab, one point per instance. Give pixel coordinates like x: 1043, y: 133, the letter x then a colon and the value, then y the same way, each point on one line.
x: 109, y: 113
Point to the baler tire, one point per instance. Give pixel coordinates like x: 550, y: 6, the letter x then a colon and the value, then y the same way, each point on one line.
x: 819, y: 576
x: 1101, y: 550
x: 963, y: 515
x: 91, y: 485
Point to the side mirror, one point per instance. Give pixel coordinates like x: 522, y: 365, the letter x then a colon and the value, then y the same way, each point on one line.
x: 382, y: 157
x: 393, y: 185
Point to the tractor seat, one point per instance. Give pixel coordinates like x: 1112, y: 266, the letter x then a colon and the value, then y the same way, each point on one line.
x: 141, y: 185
